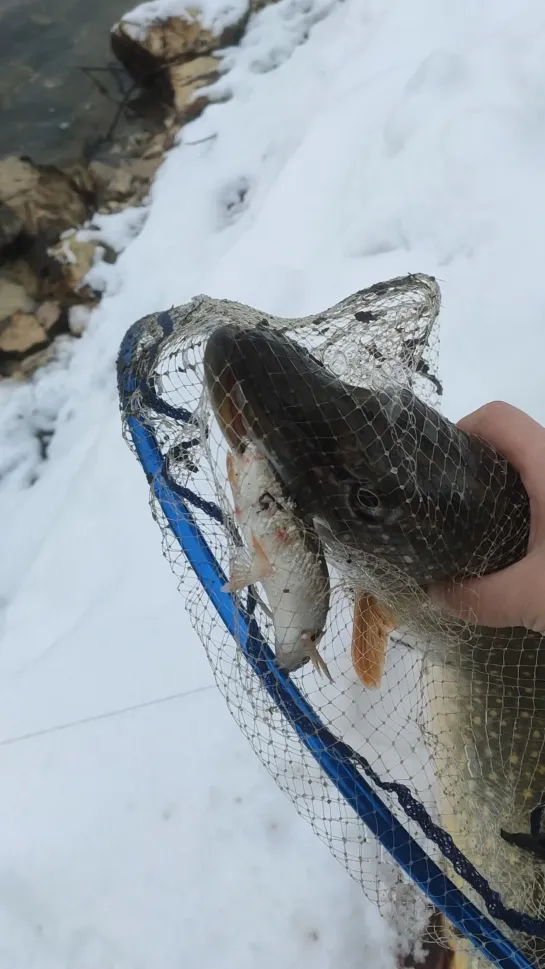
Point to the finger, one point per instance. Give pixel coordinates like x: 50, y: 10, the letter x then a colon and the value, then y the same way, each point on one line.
x: 507, y: 598
x: 515, y: 435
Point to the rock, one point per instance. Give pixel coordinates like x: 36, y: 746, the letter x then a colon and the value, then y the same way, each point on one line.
x: 122, y: 174
x: 165, y: 39
x: 46, y: 269
x: 110, y: 206
x: 145, y: 68
x: 43, y: 199
x: 26, y: 339
x: 175, y: 55
x: 19, y: 271
x: 75, y: 258
x: 17, y: 177
x: 106, y: 180
x: 120, y: 185
x: 10, y: 226
x: 138, y: 45
x: 102, y: 172
x: 48, y: 315
x: 23, y: 369
x: 20, y: 334
x: 144, y: 169
x: 186, y: 79
x: 13, y: 299
x: 153, y: 54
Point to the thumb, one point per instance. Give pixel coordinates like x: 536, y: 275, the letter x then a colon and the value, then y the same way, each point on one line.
x: 506, y: 598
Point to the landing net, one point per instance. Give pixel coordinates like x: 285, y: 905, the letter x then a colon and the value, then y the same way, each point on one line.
x: 425, y: 778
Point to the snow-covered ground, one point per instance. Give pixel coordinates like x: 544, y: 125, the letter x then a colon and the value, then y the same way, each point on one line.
x: 364, y: 139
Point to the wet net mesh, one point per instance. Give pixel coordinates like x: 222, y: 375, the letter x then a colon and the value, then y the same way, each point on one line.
x: 359, y: 494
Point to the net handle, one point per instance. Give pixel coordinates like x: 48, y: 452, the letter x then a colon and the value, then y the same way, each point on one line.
x: 318, y: 740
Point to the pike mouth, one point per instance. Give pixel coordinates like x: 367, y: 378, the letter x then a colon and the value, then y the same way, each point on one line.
x: 229, y: 407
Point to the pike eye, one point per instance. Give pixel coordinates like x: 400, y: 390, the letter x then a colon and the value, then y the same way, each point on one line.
x: 367, y: 499
x: 366, y: 504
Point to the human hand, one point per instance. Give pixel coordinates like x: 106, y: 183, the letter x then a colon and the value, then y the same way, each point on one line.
x: 514, y: 596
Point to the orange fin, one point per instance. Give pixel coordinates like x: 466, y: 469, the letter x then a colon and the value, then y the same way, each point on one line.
x: 230, y: 465
x: 372, y: 624
x: 246, y: 570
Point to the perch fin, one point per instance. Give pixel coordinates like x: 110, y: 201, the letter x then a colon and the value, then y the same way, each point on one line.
x: 247, y: 570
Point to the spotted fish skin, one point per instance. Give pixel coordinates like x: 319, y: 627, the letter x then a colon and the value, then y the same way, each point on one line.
x: 385, y: 477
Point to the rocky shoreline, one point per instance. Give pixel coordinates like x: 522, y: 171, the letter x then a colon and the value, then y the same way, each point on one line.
x: 167, y: 63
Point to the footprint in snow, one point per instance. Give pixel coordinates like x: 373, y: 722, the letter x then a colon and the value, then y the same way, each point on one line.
x: 233, y: 199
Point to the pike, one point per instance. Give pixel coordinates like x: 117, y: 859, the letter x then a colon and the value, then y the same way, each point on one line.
x: 401, y: 498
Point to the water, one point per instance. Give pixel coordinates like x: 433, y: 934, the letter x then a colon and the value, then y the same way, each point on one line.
x: 49, y: 108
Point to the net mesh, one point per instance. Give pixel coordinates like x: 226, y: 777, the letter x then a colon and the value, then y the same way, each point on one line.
x: 346, y: 494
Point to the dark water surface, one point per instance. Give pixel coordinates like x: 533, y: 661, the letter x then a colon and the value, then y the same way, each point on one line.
x: 49, y: 108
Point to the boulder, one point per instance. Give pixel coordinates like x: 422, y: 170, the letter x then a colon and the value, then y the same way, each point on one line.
x: 21, y: 334
x: 186, y: 79
x: 10, y: 226
x: 48, y: 315
x: 122, y: 173
x: 13, y: 298
x: 162, y: 40
x: 19, y: 271
x: 174, y: 55
x: 75, y: 258
x: 23, y: 369
x: 42, y: 199
x: 26, y: 338
x: 148, y: 41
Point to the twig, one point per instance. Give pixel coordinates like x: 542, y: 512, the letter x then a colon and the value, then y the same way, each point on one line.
x: 101, y: 88
x: 116, y: 71
x: 200, y: 141
x: 121, y: 105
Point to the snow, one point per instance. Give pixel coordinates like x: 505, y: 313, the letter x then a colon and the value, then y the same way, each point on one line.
x: 214, y: 15
x: 115, y: 230
x: 363, y: 139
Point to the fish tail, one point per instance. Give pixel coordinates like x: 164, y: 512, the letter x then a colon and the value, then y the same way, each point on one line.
x: 247, y: 569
